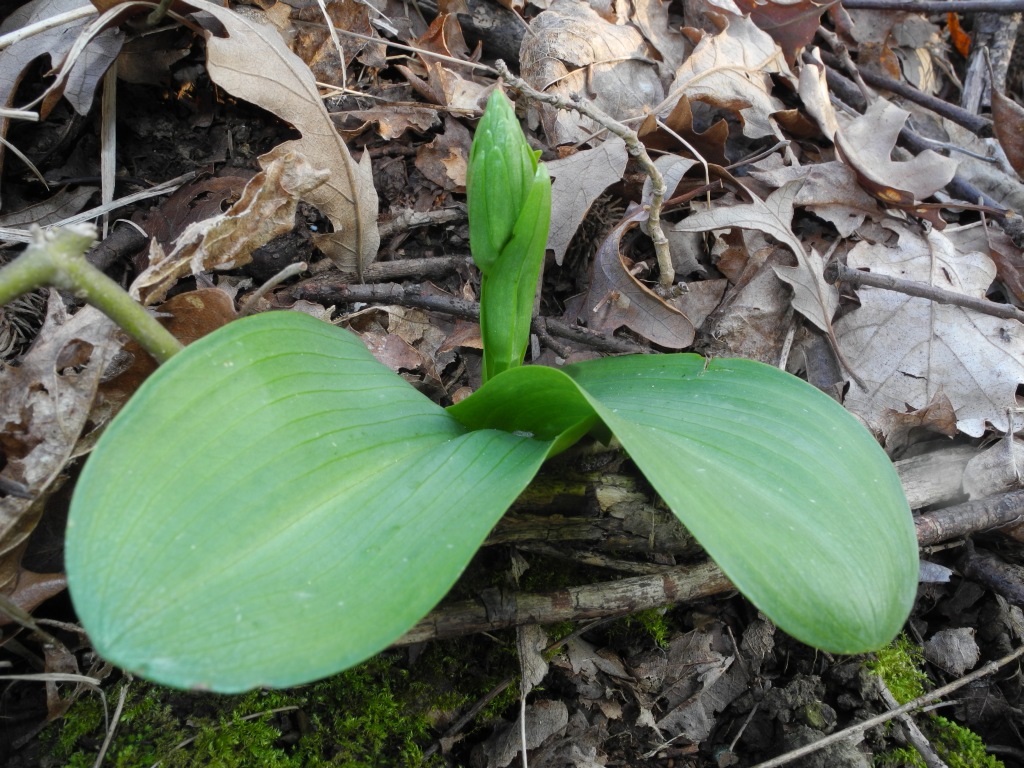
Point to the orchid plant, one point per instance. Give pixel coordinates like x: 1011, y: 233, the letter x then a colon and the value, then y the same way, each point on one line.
x: 274, y: 505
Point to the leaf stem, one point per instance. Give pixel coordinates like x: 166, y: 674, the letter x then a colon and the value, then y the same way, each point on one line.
x: 56, y: 258
x: 635, y: 147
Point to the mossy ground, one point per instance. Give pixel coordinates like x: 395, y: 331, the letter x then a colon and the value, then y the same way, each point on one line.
x: 900, y: 666
x: 384, y: 712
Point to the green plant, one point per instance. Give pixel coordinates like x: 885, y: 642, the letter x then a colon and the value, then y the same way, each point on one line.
x: 274, y: 505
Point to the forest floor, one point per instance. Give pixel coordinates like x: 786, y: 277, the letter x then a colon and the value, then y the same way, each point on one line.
x: 804, y: 146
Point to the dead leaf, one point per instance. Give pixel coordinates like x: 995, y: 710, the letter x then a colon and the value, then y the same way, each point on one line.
x: 997, y: 469
x: 830, y: 190
x: 954, y: 650
x: 44, y: 405
x: 544, y: 719
x: 731, y: 70
x: 253, y: 63
x: 908, y: 349
x: 812, y: 296
x: 445, y: 160
x: 938, y: 416
x: 617, y: 299
x: 866, y: 145
x: 1008, y: 121
x: 710, y: 144
x: 573, y: 51
x: 226, y: 241
x: 791, y: 23
x: 577, y: 181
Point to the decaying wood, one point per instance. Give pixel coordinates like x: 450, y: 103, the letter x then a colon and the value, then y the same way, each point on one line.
x: 498, y: 609
x: 604, y: 509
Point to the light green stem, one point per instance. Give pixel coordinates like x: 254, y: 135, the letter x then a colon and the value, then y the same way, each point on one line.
x: 56, y: 258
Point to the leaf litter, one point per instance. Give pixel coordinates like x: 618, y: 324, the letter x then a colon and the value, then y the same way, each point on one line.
x: 809, y: 181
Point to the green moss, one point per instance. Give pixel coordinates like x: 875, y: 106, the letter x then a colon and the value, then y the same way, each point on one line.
x: 900, y: 666
x: 651, y: 623
x: 377, y: 714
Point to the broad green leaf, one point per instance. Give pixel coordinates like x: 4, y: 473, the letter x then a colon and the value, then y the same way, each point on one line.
x: 787, y: 491
x: 533, y: 401
x: 274, y: 505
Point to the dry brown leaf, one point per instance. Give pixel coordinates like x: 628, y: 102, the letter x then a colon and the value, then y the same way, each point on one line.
x: 651, y: 18
x: 812, y: 296
x: 866, y: 145
x: 731, y: 70
x: 907, y: 349
x: 710, y: 144
x: 445, y: 160
x: 1008, y: 121
x: 617, y: 299
x: 830, y: 190
x: 45, y: 404
x: 938, y: 416
x: 577, y: 181
x: 573, y: 51
x: 226, y: 241
x: 253, y: 63
x: 791, y: 23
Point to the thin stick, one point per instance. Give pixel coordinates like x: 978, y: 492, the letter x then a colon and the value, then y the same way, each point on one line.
x: 635, y: 148
x: 910, y: 706
x: 840, y: 272
x: 113, y: 727
x: 289, y: 271
x: 937, y: 6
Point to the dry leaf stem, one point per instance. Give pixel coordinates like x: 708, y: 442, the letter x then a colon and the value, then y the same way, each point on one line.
x: 840, y: 272
x: 635, y: 148
x: 57, y: 258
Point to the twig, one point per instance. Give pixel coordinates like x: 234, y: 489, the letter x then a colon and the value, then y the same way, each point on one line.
x: 911, y: 731
x: 982, y: 126
x: 840, y: 272
x: 341, y: 292
x: 859, y: 729
x: 936, y: 6
x: 635, y: 148
x: 969, y: 517
x: 113, y: 726
x: 288, y: 272
x: 842, y: 53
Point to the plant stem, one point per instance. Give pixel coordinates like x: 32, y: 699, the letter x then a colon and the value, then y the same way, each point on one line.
x: 57, y: 258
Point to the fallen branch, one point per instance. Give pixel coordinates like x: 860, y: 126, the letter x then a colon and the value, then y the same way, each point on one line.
x: 338, y: 291
x: 937, y: 6
x: 840, y: 272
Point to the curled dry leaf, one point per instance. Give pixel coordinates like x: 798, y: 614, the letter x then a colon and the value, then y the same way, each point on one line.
x: 866, y: 145
x: 906, y: 349
x: 253, y: 63
x: 44, y: 404
x: 265, y: 210
x: 617, y: 299
x: 577, y: 181
x: 731, y: 70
